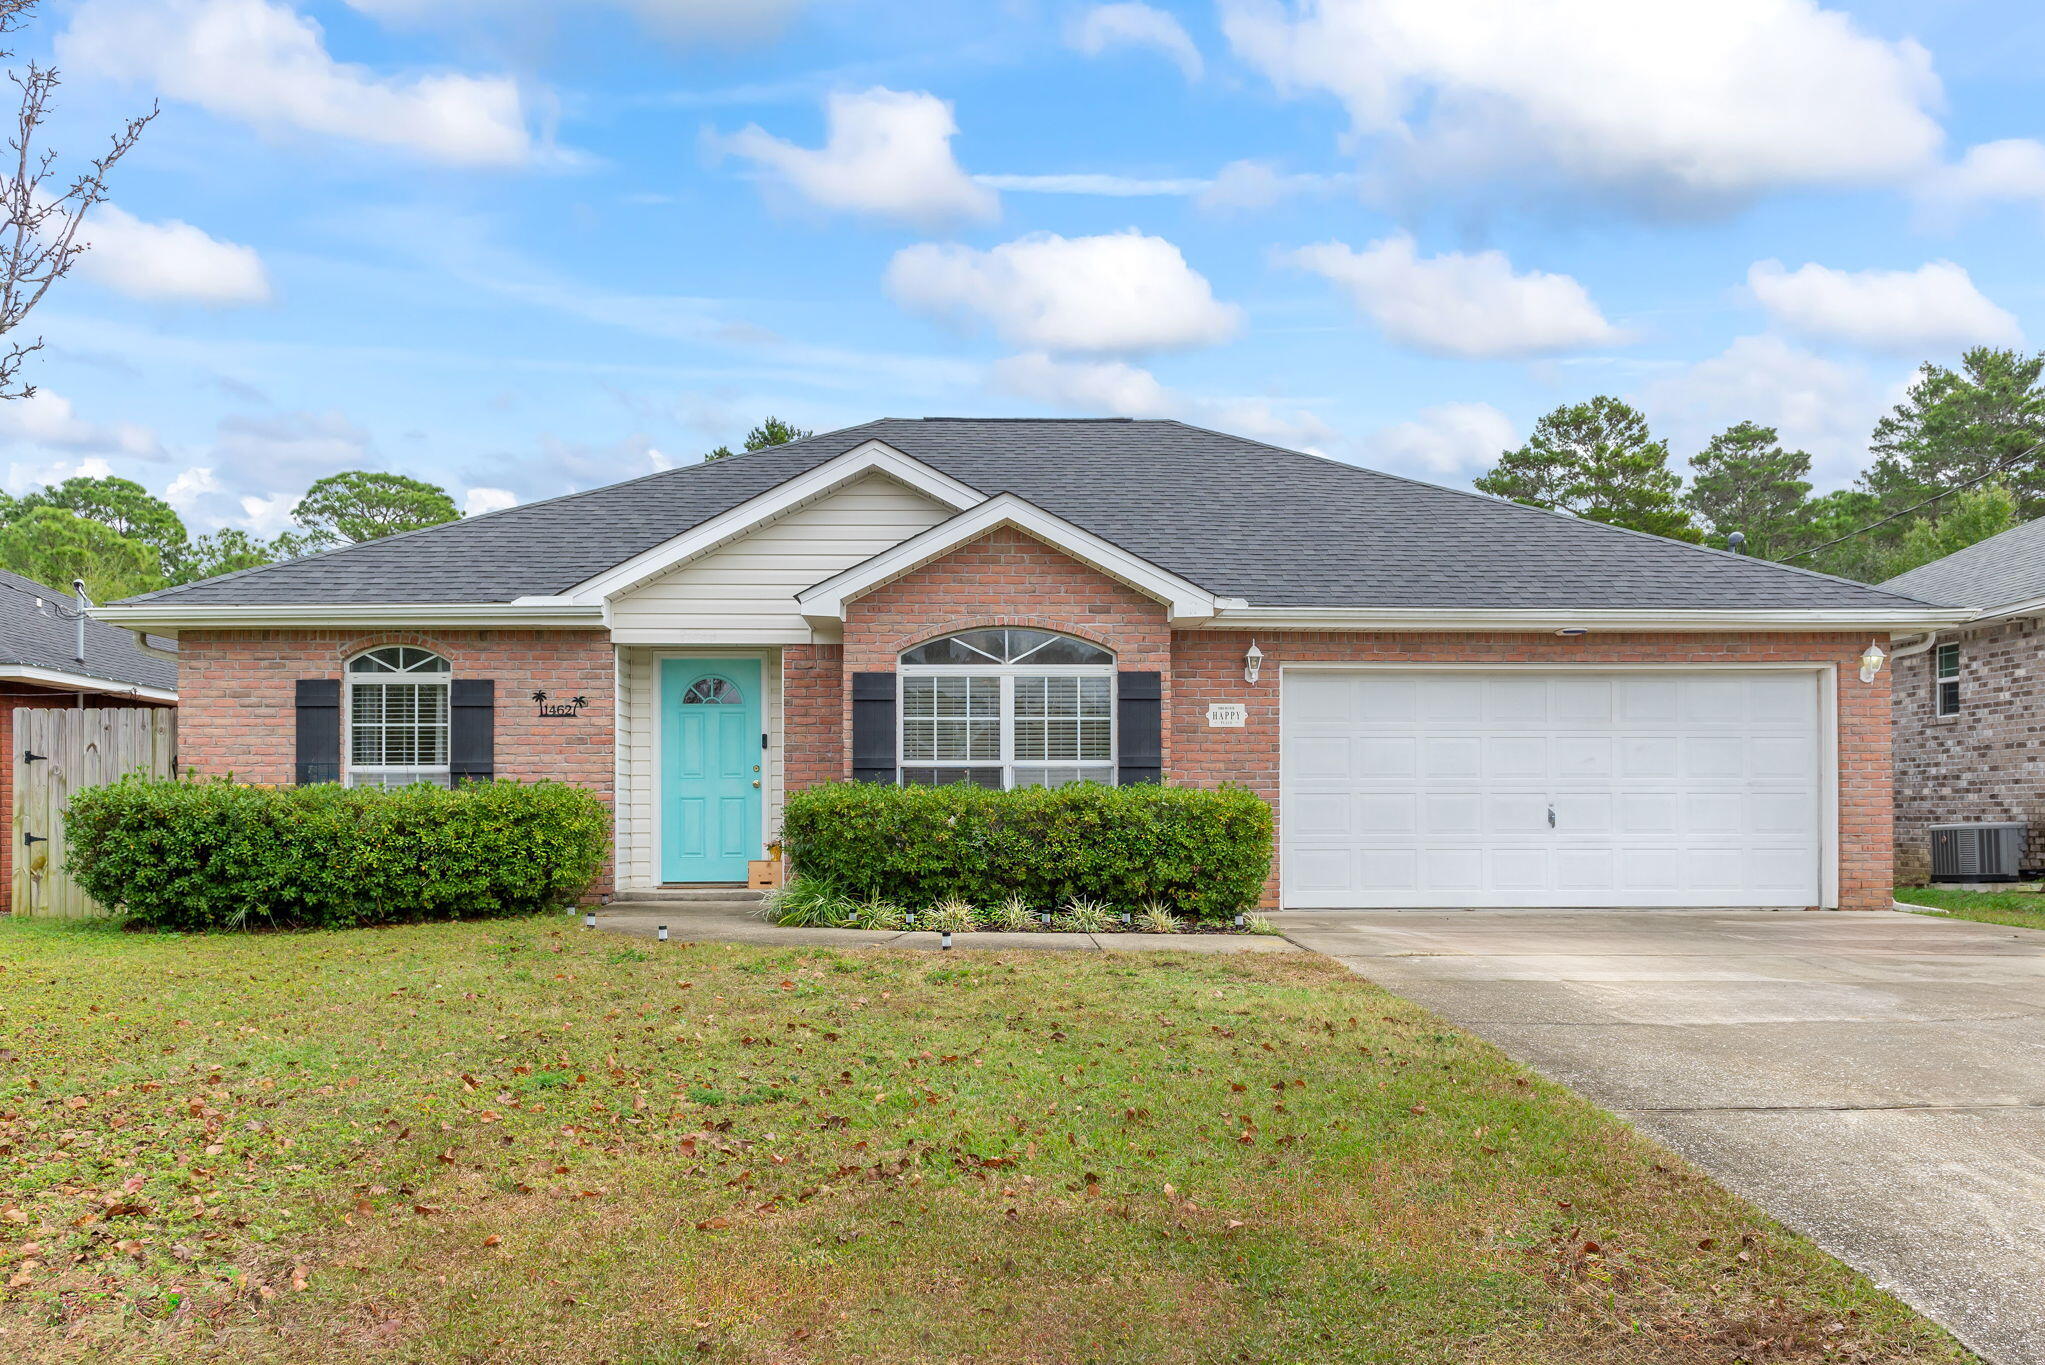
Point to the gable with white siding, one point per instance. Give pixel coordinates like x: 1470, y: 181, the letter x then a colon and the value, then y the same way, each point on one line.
x: 743, y: 592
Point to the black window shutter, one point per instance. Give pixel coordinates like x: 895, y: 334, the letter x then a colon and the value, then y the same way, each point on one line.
x: 472, y: 730
x: 873, y: 727
x: 1139, y: 727
x: 319, y: 731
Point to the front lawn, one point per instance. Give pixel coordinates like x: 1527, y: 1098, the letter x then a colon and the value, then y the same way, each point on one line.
x: 523, y: 1141
x: 2019, y: 909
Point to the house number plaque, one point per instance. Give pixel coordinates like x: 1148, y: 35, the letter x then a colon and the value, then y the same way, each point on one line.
x: 1227, y: 715
x: 560, y: 710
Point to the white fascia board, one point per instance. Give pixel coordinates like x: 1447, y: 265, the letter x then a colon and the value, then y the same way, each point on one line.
x: 824, y: 603
x: 868, y: 457
x: 1544, y: 618
x: 166, y: 619
x: 81, y: 682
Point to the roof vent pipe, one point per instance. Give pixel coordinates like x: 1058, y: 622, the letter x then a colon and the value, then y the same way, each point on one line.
x: 84, y: 605
x: 1737, y: 542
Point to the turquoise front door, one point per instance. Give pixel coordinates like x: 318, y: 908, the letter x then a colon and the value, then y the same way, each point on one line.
x: 710, y: 768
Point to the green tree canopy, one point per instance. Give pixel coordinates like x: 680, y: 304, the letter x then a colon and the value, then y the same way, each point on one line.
x: 772, y: 432
x: 230, y: 550
x: 1596, y: 460
x: 1745, y: 481
x: 122, y: 505
x: 1966, y: 518
x: 53, y: 546
x: 361, y: 505
x: 1957, y: 425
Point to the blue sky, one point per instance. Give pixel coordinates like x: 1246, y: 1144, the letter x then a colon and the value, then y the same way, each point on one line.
x: 525, y: 246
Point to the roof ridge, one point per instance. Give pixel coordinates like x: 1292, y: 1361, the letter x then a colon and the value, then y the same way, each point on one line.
x: 1495, y: 501
x: 160, y: 593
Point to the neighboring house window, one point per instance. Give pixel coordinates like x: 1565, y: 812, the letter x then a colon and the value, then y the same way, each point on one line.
x: 397, y: 717
x: 1947, y: 680
x: 1008, y: 707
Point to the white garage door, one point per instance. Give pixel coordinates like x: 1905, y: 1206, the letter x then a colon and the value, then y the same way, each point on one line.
x: 1533, y: 788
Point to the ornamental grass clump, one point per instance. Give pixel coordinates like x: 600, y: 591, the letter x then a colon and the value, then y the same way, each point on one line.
x: 875, y: 912
x: 1083, y: 916
x: 1013, y: 916
x: 1155, y: 918
x: 950, y: 915
x: 217, y: 854
x: 810, y: 903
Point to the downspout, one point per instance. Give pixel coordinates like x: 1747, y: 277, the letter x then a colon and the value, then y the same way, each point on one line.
x: 1914, y: 648
x: 142, y: 644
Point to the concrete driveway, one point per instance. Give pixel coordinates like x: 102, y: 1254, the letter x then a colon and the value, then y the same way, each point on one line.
x: 1876, y: 1081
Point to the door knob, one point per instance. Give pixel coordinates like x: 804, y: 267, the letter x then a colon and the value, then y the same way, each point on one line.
x: 756, y: 782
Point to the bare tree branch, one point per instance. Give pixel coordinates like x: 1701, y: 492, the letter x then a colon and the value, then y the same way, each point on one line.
x: 39, y: 228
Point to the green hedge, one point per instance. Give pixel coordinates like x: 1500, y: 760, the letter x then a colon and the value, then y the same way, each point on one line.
x: 1203, y: 853
x: 220, y: 855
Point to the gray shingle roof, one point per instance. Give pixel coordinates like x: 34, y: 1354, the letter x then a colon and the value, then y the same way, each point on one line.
x: 27, y: 637
x: 1237, y: 517
x: 2000, y: 571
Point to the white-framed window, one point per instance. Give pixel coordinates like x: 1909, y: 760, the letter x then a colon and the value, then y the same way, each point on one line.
x: 1007, y: 707
x: 1946, y: 681
x: 395, y: 721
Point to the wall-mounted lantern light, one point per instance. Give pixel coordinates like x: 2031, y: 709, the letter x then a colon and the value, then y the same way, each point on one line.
x: 1253, y: 663
x: 1871, y: 661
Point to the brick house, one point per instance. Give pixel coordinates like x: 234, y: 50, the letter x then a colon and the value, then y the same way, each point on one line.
x: 1970, y: 701
x: 50, y: 658
x: 1450, y: 700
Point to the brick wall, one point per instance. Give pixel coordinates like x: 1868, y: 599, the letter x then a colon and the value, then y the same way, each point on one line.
x: 812, y: 715
x: 1982, y: 764
x: 14, y: 695
x: 1005, y: 578
x: 1207, y: 666
x: 239, y: 706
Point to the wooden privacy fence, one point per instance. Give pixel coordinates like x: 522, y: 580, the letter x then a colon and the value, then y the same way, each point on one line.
x: 61, y: 751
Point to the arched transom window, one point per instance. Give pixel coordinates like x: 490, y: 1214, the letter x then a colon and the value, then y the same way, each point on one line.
x: 397, y: 717
x: 1008, y: 707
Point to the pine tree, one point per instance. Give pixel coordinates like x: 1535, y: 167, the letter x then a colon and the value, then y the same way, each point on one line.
x: 1598, y: 461
x: 1745, y: 481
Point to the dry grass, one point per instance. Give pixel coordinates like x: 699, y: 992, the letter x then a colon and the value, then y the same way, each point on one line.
x: 529, y: 1143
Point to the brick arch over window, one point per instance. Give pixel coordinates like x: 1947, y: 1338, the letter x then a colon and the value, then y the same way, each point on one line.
x: 363, y: 644
x: 1005, y: 578
x: 1054, y: 625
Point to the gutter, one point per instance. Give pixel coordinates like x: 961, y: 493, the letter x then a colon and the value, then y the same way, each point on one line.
x: 83, y: 682
x: 166, y: 619
x: 1901, y: 618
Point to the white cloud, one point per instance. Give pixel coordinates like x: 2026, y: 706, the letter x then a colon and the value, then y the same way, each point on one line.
x: 1129, y: 24
x: 267, y: 65
x: 170, y: 261
x: 21, y: 477
x: 1260, y: 184
x: 2009, y: 171
x: 1933, y: 305
x: 1456, y: 304
x: 480, y: 500
x: 1108, y: 186
x: 1671, y: 103
x: 191, y: 488
x: 728, y: 20
x: 1452, y: 441
x: 1814, y: 403
x: 885, y: 152
x: 1115, y: 388
x: 49, y: 420
x: 268, y: 516
x: 1120, y: 292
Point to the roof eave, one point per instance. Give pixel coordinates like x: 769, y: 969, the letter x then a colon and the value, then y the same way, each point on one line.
x: 1901, y: 617
x: 168, y: 618
x: 82, y: 682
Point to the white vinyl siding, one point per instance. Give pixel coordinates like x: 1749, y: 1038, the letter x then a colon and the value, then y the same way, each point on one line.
x: 638, y: 805
x: 743, y: 593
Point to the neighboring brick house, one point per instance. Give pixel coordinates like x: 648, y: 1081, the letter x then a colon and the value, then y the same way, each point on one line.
x: 1450, y: 700
x: 1970, y: 703
x: 46, y: 659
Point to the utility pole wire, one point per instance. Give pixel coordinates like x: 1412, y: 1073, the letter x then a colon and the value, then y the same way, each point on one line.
x: 1993, y: 470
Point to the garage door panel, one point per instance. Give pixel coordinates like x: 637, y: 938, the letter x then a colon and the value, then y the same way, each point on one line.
x: 1435, y: 788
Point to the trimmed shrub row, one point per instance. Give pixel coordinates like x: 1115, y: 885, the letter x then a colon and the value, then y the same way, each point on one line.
x: 1200, y: 853
x: 221, y: 855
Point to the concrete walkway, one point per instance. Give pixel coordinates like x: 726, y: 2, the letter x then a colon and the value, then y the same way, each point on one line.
x: 728, y: 923
x: 1876, y: 1081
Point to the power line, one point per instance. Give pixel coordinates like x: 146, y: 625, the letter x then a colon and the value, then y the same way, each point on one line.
x: 1997, y: 468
